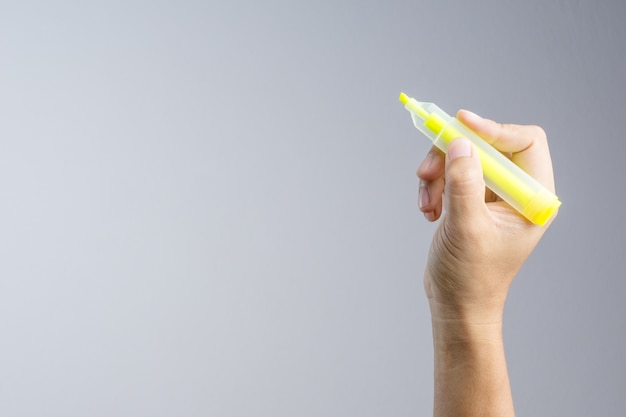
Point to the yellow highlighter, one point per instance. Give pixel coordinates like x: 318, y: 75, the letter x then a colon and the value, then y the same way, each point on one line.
x: 503, y: 177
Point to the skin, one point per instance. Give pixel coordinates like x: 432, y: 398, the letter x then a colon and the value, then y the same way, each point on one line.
x: 476, y: 251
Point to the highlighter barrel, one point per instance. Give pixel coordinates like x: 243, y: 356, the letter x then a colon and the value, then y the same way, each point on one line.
x: 501, y: 175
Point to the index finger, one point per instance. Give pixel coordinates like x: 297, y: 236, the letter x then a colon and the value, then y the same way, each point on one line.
x: 528, y: 145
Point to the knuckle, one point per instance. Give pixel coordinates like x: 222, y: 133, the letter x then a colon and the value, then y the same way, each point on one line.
x: 537, y: 133
x: 503, y: 131
x: 463, y: 178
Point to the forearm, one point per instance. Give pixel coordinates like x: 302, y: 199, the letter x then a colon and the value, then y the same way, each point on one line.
x: 471, y: 376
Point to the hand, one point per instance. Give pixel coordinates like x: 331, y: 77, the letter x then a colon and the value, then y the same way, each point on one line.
x: 481, y: 242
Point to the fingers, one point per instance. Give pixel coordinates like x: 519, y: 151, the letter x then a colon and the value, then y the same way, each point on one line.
x: 460, y: 174
x: 430, y: 198
x: 527, y: 145
x: 433, y: 165
x: 465, y: 188
x: 431, y: 173
x: 455, y: 180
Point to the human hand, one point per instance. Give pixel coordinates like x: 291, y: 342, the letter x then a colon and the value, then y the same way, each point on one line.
x: 481, y: 242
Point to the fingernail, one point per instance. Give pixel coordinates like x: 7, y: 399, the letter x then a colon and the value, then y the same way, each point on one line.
x: 423, y: 198
x: 430, y: 216
x: 459, y: 148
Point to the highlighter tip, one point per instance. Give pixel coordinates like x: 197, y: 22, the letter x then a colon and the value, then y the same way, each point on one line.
x: 404, y: 98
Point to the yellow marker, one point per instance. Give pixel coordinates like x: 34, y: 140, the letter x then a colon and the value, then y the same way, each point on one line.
x: 502, y: 176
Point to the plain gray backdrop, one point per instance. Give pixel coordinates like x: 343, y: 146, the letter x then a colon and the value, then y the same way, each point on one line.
x: 208, y: 208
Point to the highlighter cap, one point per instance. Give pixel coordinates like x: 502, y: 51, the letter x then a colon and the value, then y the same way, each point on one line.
x: 542, y: 207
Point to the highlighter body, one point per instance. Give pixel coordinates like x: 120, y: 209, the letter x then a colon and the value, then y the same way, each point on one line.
x: 501, y: 175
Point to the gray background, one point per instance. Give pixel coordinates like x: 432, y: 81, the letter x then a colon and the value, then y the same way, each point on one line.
x: 209, y: 208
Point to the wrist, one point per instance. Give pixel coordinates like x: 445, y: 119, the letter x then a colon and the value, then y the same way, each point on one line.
x: 465, y: 333
x: 466, y: 313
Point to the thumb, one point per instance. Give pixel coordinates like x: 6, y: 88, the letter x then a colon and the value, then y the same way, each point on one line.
x: 465, y: 188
